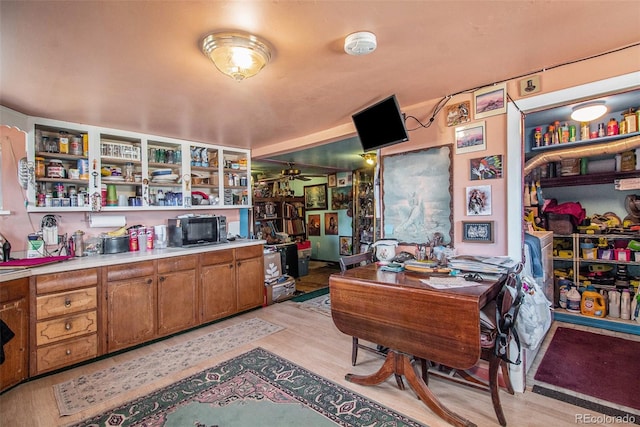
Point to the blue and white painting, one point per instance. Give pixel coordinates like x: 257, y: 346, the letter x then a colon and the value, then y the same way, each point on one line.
x: 417, y: 196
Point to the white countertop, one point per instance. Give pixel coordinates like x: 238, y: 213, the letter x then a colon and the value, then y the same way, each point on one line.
x: 121, y: 258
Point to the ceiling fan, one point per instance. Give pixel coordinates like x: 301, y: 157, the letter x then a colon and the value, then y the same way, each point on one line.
x: 289, y: 174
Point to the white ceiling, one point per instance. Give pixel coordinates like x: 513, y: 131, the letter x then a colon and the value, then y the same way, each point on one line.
x: 137, y: 65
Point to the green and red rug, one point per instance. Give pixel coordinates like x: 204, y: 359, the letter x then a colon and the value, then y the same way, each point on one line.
x: 257, y: 388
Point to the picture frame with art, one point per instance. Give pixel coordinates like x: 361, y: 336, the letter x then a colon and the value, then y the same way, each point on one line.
x: 478, y: 231
x: 331, y: 223
x: 346, y: 245
x: 341, y: 197
x: 313, y: 225
x: 458, y: 113
x: 490, y: 101
x: 487, y: 167
x: 478, y: 200
x: 470, y: 138
x: 332, y: 180
x: 315, y: 197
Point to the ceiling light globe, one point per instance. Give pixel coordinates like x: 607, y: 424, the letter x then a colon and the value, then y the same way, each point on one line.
x: 589, y: 111
x: 238, y: 55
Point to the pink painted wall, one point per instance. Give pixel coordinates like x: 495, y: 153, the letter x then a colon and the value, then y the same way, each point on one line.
x: 16, y: 226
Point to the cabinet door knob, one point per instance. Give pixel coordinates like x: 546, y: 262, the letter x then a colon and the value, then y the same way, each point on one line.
x: 67, y: 302
x: 230, y: 265
x: 67, y: 326
x: 162, y: 278
x: 68, y: 352
x: 149, y: 281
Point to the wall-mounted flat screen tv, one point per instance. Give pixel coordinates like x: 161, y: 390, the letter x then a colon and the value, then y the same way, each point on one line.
x: 380, y: 124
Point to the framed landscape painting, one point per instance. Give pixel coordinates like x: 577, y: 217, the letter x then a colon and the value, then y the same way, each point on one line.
x: 490, y: 101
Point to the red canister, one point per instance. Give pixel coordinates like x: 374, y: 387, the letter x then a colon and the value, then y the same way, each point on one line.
x: 133, y: 240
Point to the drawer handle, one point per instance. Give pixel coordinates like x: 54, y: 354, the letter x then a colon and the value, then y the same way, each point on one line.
x: 67, y: 303
x: 149, y: 281
x: 67, y: 326
x: 162, y: 278
x: 68, y: 352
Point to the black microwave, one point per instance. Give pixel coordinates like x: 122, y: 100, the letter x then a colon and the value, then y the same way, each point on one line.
x: 197, y: 230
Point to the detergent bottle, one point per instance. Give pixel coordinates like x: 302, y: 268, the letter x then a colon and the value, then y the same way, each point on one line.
x: 573, y: 300
x: 625, y: 305
x: 614, y: 303
x: 635, y: 308
x: 593, y: 304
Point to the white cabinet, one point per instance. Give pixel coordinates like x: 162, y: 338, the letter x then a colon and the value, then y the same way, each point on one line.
x: 115, y: 170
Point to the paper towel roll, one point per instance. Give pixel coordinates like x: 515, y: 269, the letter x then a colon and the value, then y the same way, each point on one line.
x: 103, y: 221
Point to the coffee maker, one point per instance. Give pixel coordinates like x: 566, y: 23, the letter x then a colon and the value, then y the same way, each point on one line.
x: 5, y: 248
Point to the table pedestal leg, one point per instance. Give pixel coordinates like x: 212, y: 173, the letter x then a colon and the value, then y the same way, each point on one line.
x: 400, y: 364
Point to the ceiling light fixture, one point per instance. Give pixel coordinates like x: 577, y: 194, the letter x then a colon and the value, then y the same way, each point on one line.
x: 589, y: 111
x: 360, y: 43
x: 238, y: 55
x: 369, y: 158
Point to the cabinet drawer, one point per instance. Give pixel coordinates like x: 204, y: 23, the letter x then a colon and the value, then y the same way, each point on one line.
x: 129, y: 271
x: 249, y: 252
x: 66, y: 327
x: 216, y: 257
x: 66, y: 353
x: 67, y: 280
x: 14, y: 289
x: 65, y: 303
x: 167, y: 265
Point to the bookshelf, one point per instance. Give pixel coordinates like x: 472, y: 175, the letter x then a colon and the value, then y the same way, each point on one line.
x: 280, y: 215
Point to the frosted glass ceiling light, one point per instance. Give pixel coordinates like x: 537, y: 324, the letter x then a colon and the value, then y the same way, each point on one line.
x: 236, y: 54
x: 589, y: 111
x: 369, y: 158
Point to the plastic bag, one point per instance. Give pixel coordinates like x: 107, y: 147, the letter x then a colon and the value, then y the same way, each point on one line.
x: 534, y: 317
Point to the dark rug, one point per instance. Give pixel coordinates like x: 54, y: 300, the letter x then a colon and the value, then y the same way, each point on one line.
x: 601, y: 366
x: 255, y: 388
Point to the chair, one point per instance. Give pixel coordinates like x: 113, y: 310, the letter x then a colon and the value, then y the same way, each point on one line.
x: 497, y: 330
x: 351, y: 261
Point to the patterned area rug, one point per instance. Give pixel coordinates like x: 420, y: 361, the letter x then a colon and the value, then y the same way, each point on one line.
x: 87, y: 390
x: 257, y: 388
x: 321, y: 304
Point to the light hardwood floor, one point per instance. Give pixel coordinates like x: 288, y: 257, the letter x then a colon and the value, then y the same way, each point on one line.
x: 311, y: 340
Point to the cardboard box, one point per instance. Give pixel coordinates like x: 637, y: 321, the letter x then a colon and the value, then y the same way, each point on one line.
x: 272, y: 267
x: 280, y: 291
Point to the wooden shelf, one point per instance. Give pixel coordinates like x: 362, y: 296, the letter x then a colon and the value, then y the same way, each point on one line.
x: 590, y: 179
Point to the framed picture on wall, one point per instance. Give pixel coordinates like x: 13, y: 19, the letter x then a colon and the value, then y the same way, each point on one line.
x: 459, y: 113
x: 488, y: 167
x: 346, y: 245
x: 331, y: 223
x: 313, y: 225
x: 470, y: 138
x: 341, y: 197
x: 478, y: 200
x: 315, y: 197
x: 490, y: 101
x: 477, y: 231
x: 332, y: 180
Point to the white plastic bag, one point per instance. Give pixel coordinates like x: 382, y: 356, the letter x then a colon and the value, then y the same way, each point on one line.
x: 534, y: 317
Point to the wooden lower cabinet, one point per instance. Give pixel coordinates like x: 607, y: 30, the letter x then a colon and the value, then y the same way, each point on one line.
x: 217, y: 285
x: 131, y: 304
x: 14, y: 312
x: 231, y: 281
x: 65, y: 320
x: 177, y: 294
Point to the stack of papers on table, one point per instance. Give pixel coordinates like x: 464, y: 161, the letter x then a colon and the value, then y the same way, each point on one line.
x: 481, y: 264
x: 450, y: 282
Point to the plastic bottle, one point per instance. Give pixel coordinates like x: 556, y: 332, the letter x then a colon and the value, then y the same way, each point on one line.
x: 592, y: 304
x: 527, y: 194
x: 625, y: 305
x: 573, y: 300
x: 614, y: 304
x: 635, y: 308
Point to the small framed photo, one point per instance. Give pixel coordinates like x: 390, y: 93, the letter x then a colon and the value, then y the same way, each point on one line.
x: 488, y: 167
x: 313, y: 225
x: 315, y: 197
x: 477, y: 231
x: 346, y: 244
x: 470, y: 138
x: 459, y: 113
x: 332, y: 180
x: 490, y: 101
x: 478, y: 200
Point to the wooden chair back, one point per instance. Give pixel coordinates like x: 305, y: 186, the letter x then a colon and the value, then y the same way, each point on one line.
x: 350, y: 261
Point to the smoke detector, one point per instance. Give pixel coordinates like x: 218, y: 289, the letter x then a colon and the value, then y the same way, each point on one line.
x: 360, y: 43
